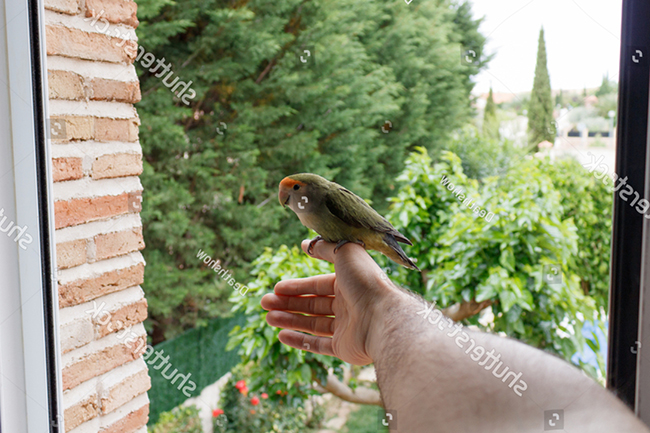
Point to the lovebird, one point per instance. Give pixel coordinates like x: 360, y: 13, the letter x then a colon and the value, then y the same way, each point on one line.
x: 340, y: 216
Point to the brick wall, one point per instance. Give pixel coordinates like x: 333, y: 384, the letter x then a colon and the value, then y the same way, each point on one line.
x: 96, y: 160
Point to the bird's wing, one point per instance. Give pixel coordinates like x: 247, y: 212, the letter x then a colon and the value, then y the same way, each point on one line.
x: 351, y: 209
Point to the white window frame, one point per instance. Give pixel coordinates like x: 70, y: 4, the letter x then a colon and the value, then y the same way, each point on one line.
x: 30, y: 374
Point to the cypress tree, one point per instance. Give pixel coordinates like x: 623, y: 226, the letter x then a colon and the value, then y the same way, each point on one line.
x: 540, y: 110
x: 490, y: 122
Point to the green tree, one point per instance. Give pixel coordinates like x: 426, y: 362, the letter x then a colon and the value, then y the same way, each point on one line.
x: 490, y: 121
x: 540, y: 109
x: 281, y: 87
x: 606, y: 87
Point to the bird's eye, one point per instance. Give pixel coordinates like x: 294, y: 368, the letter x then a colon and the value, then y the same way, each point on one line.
x: 296, y: 187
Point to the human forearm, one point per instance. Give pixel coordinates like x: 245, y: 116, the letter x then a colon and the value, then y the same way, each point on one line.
x: 435, y: 375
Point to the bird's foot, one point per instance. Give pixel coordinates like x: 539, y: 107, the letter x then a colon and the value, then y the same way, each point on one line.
x: 310, y: 248
x: 341, y: 243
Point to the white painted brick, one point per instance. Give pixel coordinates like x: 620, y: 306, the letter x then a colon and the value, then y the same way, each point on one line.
x: 76, y: 395
x: 88, y: 188
x: 92, y: 229
x: 111, y: 340
x: 82, y: 23
x: 92, y: 69
x: 75, y: 333
x: 94, y: 149
x: 113, y: 110
x: 115, y: 301
x: 97, y: 424
x: 94, y: 270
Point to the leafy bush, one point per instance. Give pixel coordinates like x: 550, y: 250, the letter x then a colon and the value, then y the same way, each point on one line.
x: 482, y: 156
x: 183, y: 419
x: 523, y: 260
x: 262, y: 411
x: 272, y: 364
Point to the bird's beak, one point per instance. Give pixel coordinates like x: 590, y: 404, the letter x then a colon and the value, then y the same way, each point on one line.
x: 283, y: 196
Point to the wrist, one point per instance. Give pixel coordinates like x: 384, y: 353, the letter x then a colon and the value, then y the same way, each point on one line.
x: 389, y: 311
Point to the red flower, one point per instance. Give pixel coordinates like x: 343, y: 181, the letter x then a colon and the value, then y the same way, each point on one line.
x: 217, y: 412
x: 240, y: 384
x: 265, y: 395
x: 244, y: 390
x: 255, y: 401
x: 278, y: 392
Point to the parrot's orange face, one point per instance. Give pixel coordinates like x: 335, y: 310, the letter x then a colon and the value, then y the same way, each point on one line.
x: 288, y: 187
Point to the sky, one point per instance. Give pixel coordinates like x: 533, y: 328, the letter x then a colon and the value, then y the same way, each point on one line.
x: 582, y: 42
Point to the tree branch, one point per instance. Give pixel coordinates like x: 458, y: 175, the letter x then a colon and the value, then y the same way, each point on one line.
x: 359, y: 395
x: 460, y: 311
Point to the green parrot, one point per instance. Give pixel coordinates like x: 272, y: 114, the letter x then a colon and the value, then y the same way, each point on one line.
x: 340, y: 216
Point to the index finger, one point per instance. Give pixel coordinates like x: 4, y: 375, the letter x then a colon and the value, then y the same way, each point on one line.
x: 321, y: 285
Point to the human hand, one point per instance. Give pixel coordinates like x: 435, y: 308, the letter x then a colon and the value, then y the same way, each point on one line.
x: 355, y: 295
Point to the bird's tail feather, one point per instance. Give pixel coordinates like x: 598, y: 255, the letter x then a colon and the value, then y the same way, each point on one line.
x: 404, y: 259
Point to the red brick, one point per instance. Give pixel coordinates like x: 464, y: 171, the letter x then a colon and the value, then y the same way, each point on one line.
x: 81, y: 412
x: 98, y: 363
x: 113, y: 90
x: 124, y: 317
x: 70, y: 7
x: 67, y: 169
x: 80, y: 291
x: 65, y: 85
x: 131, y: 422
x: 64, y: 41
x: 117, y: 165
x: 107, y: 129
x: 114, y: 11
x: 70, y: 254
x: 81, y: 210
x: 118, y: 243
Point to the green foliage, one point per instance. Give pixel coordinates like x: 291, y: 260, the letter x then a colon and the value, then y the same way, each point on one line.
x: 490, y: 121
x: 278, y: 367
x: 482, y: 156
x: 504, y: 261
x: 588, y: 201
x: 364, y: 420
x: 607, y: 87
x: 368, y: 62
x: 550, y: 218
x: 275, y: 413
x: 182, y: 419
x: 198, y: 354
x: 540, y: 109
